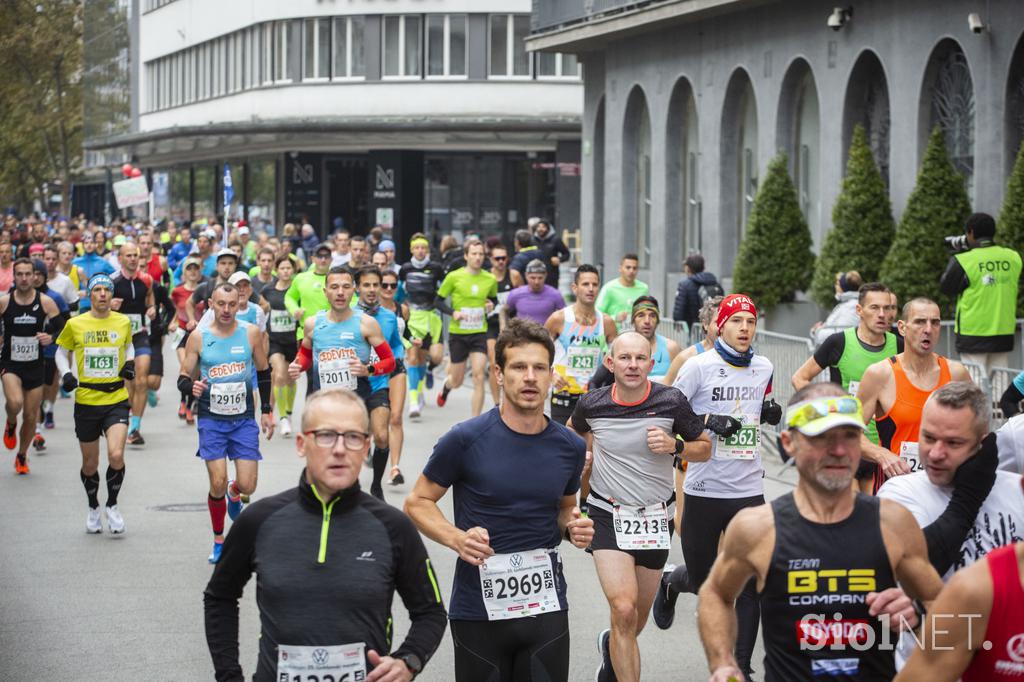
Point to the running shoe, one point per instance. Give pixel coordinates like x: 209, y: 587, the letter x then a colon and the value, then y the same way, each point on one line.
x: 38, y: 442
x: 377, y: 491
x: 605, y: 673
x: 10, y: 437
x: 64, y: 394
x: 235, y: 504
x: 286, y: 427
x: 422, y: 398
x: 181, y: 410
x: 92, y: 521
x: 115, y: 522
x: 48, y: 420
x: 21, y: 464
x: 135, y: 438
x: 430, y: 379
x: 415, y: 408
x: 396, y: 476
x: 664, y: 609
x: 441, y: 400
x: 151, y: 398
x: 214, y: 557
x: 189, y: 417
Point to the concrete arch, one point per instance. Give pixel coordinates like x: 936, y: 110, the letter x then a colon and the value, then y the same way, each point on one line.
x: 636, y: 176
x: 867, y: 103
x: 739, y: 157
x: 947, y: 100
x: 798, y: 133
x: 1014, y: 134
x: 682, y: 173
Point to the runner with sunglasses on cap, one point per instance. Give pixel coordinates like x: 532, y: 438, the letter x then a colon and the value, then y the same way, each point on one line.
x: 422, y: 278
x: 732, y: 385
x: 101, y: 342
x: 824, y: 558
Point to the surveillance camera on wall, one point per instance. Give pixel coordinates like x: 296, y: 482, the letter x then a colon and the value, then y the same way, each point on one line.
x: 975, y: 23
x: 839, y: 16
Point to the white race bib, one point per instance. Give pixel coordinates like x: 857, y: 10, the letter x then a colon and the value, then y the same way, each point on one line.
x: 581, y: 362
x: 741, y: 445
x: 641, y: 527
x: 24, y: 348
x: 228, y: 398
x: 177, y: 336
x: 281, y: 321
x: 137, y: 324
x: 337, y: 373
x: 909, y: 454
x: 518, y: 584
x: 341, y: 663
x: 852, y: 388
x: 472, y: 320
x: 100, y: 363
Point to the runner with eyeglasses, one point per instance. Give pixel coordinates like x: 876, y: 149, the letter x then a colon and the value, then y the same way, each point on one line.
x: 229, y: 354
x: 326, y: 538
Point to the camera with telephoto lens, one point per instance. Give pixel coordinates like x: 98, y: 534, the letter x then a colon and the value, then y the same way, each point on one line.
x: 957, y: 244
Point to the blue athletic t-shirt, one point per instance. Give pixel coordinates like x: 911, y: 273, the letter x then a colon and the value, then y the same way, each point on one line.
x: 510, y: 483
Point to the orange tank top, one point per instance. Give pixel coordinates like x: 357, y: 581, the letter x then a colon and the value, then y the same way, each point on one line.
x: 904, y: 416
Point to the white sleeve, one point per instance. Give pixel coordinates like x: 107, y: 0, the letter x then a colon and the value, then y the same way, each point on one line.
x: 63, y: 361
x: 899, y: 489
x: 129, y: 352
x: 688, y: 379
x: 261, y: 319
x: 1008, y: 442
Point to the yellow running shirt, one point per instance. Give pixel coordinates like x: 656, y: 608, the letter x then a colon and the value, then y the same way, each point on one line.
x: 99, y: 347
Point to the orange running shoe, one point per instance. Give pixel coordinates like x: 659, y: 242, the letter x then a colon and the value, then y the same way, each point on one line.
x: 21, y: 464
x: 10, y: 437
x: 189, y: 418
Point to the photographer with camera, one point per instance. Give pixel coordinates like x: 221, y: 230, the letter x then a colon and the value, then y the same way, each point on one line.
x: 984, y: 278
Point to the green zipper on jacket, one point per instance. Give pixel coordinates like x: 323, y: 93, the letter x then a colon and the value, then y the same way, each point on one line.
x: 325, y: 526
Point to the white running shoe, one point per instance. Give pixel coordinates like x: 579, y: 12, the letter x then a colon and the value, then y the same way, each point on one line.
x: 92, y: 521
x: 422, y: 399
x: 414, y: 408
x: 115, y: 522
x: 286, y: 427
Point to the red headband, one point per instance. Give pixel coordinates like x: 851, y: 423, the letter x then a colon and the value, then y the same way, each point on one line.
x: 732, y: 304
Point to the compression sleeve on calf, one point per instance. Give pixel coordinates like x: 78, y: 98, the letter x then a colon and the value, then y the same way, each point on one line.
x: 386, y: 364
x: 263, y: 384
x: 304, y: 357
x: 62, y: 360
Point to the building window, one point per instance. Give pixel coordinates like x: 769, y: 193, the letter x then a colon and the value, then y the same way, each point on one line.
x: 402, y: 46
x: 952, y: 109
x: 446, y: 45
x: 806, y: 152
x: 348, y: 48
x: 557, y: 65
x: 643, y: 188
x: 748, y: 157
x: 508, y: 57
x: 280, y: 52
x: 316, y: 44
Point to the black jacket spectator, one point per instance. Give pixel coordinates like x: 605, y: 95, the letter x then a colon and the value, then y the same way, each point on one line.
x: 551, y: 246
x: 687, y: 305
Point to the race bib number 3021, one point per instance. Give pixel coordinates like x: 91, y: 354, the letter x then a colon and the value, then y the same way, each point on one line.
x: 24, y: 348
x: 518, y: 584
x: 341, y: 663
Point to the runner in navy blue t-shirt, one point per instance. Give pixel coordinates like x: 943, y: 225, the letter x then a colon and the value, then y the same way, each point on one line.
x: 515, y: 474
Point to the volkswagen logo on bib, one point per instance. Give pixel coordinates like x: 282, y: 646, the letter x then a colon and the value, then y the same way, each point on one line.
x: 516, y: 561
x: 320, y: 656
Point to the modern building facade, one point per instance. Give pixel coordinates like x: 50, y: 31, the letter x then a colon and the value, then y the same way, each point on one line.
x: 409, y: 114
x: 686, y: 101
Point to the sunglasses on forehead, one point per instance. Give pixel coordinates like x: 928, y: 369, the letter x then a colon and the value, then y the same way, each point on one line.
x: 801, y: 415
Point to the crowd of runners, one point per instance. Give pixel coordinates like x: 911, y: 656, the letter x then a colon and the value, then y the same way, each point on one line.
x: 597, y: 429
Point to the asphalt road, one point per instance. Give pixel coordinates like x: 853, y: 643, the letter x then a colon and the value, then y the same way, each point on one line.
x: 108, y: 608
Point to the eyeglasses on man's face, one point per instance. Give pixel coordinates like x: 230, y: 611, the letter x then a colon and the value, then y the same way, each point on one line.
x: 326, y: 438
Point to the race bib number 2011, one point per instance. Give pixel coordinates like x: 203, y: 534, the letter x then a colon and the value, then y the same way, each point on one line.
x: 336, y: 372
x: 518, y: 584
x: 341, y: 663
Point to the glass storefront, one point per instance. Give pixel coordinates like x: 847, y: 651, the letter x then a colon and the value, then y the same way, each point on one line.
x: 491, y: 194
x: 262, y: 184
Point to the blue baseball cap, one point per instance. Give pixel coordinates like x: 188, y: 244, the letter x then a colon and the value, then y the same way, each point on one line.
x: 386, y: 245
x: 100, y: 280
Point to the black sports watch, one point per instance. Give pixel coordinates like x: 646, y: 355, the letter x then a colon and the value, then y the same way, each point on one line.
x: 412, y: 662
x: 370, y: 369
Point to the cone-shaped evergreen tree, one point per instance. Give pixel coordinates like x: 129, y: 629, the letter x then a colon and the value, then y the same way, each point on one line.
x: 775, y: 258
x: 937, y: 207
x: 1010, y: 230
x: 862, y: 224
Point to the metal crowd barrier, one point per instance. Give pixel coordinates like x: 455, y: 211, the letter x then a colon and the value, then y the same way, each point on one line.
x: 1000, y: 379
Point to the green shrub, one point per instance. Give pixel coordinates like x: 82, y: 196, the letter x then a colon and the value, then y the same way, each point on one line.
x: 937, y: 207
x: 862, y: 224
x: 1010, y: 229
x: 775, y: 258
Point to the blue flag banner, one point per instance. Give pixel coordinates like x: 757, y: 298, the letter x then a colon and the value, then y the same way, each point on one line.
x: 229, y: 195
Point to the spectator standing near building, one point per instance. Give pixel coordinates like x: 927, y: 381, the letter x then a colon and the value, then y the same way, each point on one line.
x: 693, y: 290
x: 984, y: 280
x: 552, y: 247
x: 617, y: 296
